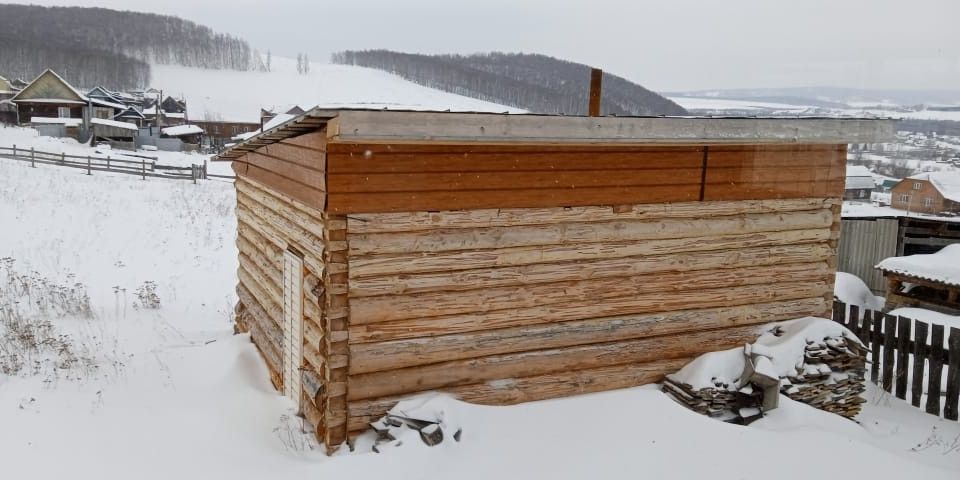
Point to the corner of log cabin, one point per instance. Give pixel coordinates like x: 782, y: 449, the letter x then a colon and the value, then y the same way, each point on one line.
x: 514, y: 271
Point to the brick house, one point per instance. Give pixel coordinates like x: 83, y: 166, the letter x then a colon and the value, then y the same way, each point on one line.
x: 930, y: 192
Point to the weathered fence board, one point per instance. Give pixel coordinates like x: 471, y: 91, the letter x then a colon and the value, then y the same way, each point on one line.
x: 903, y: 362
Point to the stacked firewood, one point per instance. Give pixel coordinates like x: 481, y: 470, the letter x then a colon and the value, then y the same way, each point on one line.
x: 735, y: 406
x: 832, y: 377
x: 392, y: 428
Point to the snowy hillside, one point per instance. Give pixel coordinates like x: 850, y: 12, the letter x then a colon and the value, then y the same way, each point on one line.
x: 238, y: 96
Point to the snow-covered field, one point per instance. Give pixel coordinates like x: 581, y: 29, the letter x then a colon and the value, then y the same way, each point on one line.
x: 719, y: 105
x: 170, y: 392
x: 238, y: 96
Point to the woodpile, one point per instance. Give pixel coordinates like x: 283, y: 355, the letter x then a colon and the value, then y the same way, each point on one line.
x: 391, y: 431
x: 829, y: 377
x: 832, y: 377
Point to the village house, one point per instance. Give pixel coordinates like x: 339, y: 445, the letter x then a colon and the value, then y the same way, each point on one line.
x: 513, y: 258
x: 49, y: 96
x: 859, y: 183
x: 930, y: 281
x: 935, y: 193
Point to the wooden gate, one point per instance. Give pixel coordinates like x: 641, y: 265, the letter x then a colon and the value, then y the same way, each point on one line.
x: 292, y: 324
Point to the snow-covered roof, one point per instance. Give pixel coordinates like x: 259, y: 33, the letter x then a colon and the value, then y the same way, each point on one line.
x: 947, y: 182
x: 859, y: 177
x: 174, y: 114
x: 104, y: 103
x: 942, y: 267
x: 181, y: 130
x: 70, y: 122
x: 114, y: 123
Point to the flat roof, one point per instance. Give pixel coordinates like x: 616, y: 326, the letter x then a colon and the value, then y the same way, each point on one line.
x: 382, y: 126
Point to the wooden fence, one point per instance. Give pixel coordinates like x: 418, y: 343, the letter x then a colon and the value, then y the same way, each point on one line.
x: 145, y: 167
x: 909, y: 357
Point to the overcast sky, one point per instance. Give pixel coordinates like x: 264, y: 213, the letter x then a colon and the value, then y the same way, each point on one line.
x: 663, y: 45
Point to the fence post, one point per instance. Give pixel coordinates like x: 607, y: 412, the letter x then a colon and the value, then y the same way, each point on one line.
x: 193, y: 173
x: 204, y: 169
x: 14, y: 152
x: 63, y: 158
x: 143, y: 170
x: 108, y: 162
x: 33, y: 157
x: 88, y: 166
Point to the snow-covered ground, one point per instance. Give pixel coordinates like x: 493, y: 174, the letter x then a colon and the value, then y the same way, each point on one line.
x: 170, y: 392
x: 239, y: 96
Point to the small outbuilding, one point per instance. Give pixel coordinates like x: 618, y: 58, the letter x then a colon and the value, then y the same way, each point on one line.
x: 859, y: 183
x: 511, y: 258
x: 930, y: 281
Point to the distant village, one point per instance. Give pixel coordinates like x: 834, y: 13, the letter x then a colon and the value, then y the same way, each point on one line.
x: 136, y: 119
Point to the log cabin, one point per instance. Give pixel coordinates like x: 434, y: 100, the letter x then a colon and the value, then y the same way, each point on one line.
x: 513, y: 258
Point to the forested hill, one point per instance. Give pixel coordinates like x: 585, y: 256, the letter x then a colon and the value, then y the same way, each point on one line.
x: 537, y: 83
x: 97, y: 46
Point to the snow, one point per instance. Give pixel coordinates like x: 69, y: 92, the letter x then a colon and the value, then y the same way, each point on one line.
x: 785, y: 352
x: 947, y: 182
x: 114, y: 123
x: 929, y: 317
x: 942, y: 266
x: 867, y: 210
x: 180, y: 130
x: 701, y: 103
x: 238, y: 96
x: 851, y: 290
x: 70, y: 122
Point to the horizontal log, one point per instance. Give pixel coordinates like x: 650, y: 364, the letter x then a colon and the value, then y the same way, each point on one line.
x: 461, y: 280
x: 688, y: 299
x: 475, y: 259
x: 510, y: 391
x: 399, y: 307
x: 248, y: 220
x: 579, y: 233
x: 311, y: 221
x: 477, y: 370
x: 373, y: 357
x: 272, y: 311
x: 510, y: 217
x: 284, y: 228
x: 311, y: 413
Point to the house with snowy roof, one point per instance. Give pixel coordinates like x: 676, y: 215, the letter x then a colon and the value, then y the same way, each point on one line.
x: 8, y: 110
x: 49, y: 96
x: 859, y: 183
x: 930, y: 281
x: 929, y: 192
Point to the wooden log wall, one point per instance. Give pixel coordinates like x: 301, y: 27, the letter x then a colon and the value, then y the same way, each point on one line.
x: 502, y: 306
x: 270, y: 222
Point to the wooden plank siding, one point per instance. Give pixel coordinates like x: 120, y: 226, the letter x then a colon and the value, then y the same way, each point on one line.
x: 295, y: 167
x: 365, y: 178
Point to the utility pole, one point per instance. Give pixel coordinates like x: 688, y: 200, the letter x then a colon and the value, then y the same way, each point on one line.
x: 596, y: 85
